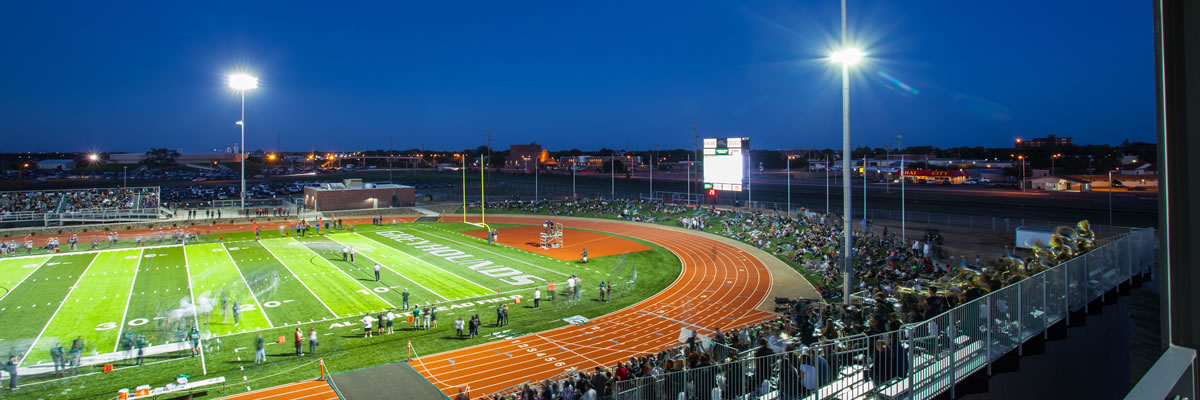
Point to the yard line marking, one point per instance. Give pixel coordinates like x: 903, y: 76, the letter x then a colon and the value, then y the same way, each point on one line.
x: 389, y: 304
x: 60, y: 304
x: 401, y: 275
x: 10, y: 290
x: 268, y: 249
x: 487, y: 251
x: 252, y: 296
x: 196, y: 319
x: 425, y: 262
x: 128, y: 301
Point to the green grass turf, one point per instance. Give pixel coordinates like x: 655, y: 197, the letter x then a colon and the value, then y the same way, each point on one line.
x: 97, y: 305
x: 284, y: 298
x: 160, y: 287
x: 342, y: 345
x: 391, y: 285
x: 432, y: 276
x: 13, y: 271
x: 47, y: 287
x: 337, y: 290
x: 390, y: 277
x: 216, y: 281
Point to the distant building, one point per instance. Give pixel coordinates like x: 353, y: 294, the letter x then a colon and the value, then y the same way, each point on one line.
x: 525, y: 156
x: 353, y: 194
x: 935, y: 176
x: 59, y: 165
x: 1048, y: 141
x: 186, y: 158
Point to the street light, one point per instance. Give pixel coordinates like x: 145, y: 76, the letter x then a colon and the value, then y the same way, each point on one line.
x: 1022, y: 158
x: 242, y: 83
x: 1052, y: 158
x: 847, y: 57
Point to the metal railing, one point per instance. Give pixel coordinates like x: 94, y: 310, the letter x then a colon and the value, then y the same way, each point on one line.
x: 921, y: 360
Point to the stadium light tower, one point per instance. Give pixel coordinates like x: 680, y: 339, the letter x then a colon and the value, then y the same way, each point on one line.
x: 846, y: 57
x: 242, y: 83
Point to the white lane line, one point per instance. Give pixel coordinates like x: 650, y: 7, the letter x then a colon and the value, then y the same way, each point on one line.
x: 486, y: 250
x: 425, y: 262
x: 10, y: 290
x: 128, y: 301
x: 322, y: 258
x: 280, y: 260
x: 72, y: 289
x: 402, y: 275
x: 195, y: 318
x: 252, y: 295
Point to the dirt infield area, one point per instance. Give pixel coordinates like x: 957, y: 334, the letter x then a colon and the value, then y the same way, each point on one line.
x: 574, y: 241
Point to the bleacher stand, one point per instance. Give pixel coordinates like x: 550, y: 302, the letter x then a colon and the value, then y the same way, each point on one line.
x: 78, y: 206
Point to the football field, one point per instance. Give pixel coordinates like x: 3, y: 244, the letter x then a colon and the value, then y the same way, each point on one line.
x: 108, y: 297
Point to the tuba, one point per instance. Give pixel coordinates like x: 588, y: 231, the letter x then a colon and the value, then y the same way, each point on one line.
x: 1063, y: 245
x: 1087, y: 239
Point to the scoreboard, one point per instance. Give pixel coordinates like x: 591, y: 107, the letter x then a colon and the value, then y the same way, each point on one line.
x: 725, y: 163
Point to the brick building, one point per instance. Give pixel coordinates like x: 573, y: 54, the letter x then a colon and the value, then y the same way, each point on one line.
x: 352, y: 194
x: 525, y: 156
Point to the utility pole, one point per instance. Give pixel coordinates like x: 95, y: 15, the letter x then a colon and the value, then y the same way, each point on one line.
x: 827, y: 167
x: 695, y: 156
x: 902, y: 215
x: 389, y: 158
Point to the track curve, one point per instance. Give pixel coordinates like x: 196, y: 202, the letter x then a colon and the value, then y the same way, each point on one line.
x: 719, y: 286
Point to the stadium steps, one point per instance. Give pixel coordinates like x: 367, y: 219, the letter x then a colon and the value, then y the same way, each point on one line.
x: 427, y: 219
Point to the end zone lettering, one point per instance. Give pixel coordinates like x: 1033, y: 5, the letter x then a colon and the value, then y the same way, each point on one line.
x: 486, y: 267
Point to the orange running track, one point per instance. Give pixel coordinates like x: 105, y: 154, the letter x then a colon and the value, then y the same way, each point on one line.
x: 720, y: 286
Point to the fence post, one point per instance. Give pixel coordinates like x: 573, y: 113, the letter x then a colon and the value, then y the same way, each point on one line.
x: 953, y: 350
x: 1086, y: 297
x: 988, y: 346
x: 911, y: 368
x: 1045, y: 313
x: 1067, y: 293
x: 1020, y: 325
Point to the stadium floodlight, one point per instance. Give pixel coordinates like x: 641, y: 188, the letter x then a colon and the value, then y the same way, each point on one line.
x: 93, y: 157
x: 848, y: 56
x: 242, y: 83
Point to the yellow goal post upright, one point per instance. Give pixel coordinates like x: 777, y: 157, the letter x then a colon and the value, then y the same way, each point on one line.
x: 482, y: 198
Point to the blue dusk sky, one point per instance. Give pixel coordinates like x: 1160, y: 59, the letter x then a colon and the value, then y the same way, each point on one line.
x: 125, y: 76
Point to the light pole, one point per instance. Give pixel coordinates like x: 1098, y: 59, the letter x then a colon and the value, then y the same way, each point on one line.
x: 655, y: 154
x: 902, y: 216
x: 1052, y: 158
x: 828, y: 165
x: 1022, y: 158
x: 864, y: 190
x: 789, y: 186
x: 125, y: 179
x: 242, y: 83
x: 1110, y: 190
x: 612, y: 175
x: 846, y: 57
x: 572, y: 180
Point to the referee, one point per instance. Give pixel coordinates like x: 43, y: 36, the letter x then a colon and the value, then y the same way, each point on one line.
x: 376, y: 272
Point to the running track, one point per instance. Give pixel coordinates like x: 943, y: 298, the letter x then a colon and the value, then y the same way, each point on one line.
x: 719, y: 286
